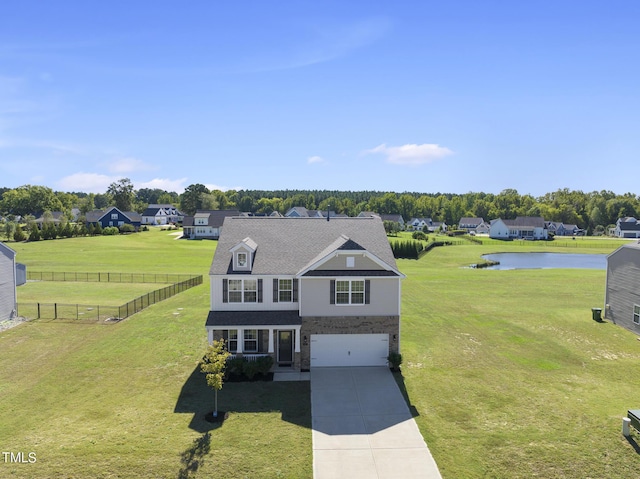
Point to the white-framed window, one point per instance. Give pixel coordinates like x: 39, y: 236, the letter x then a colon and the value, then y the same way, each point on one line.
x: 232, y: 342
x: 350, y: 292
x: 285, y: 290
x: 242, y: 260
x: 250, y: 290
x: 114, y: 216
x: 250, y: 340
x: 242, y: 291
x: 636, y: 314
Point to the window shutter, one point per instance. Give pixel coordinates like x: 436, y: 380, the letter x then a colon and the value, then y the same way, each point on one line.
x: 367, y: 291
x: 295, y: 290
x: 259, y: 291
x: 275, y: 290
x: 225, y: 290
x: 332, y: 296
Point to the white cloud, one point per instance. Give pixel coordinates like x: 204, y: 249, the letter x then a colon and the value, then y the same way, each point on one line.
x: 212, y: 187
x: 128, y: 165
x: 164, y: 184
x: 86, y: 182
x: 411, y: 154
x: 315, y: 159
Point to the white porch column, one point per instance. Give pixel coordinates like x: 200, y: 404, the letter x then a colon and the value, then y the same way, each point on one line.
x: 240, y: 341
x: 270, y: 340
x: 297, y: 342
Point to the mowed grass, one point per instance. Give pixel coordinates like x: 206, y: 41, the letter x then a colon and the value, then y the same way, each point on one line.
x: 103, y: 294
x: 126, y: 400
x: 510, y: 375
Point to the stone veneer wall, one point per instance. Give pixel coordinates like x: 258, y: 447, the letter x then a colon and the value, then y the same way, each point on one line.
x: 347, y: 325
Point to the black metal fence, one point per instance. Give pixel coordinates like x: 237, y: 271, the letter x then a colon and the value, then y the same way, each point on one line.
x: 103, y: 313
x: 107, y: 277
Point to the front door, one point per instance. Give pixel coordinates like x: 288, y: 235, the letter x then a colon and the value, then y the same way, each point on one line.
x: 285, y: 347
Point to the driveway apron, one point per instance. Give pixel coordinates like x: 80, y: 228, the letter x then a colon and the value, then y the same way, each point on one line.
x: 362, y: 427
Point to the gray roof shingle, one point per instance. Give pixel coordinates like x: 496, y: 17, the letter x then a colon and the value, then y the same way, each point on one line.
x: 288, y: 245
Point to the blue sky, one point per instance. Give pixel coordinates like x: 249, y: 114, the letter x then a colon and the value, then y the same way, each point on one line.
x: 425, y: 96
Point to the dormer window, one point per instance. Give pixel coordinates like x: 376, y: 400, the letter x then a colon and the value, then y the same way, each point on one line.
x: 243, y: 255
x: 242, y: 260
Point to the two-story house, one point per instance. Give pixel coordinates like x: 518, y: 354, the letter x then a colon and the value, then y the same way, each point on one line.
x: 307, y: 291
x: 112, y: 216
x: 163, y: 214
x: 206, y: 224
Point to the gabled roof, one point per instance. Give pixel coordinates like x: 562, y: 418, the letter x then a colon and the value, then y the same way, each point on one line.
x: 6, y: 251
x: 96, y: 215
x: 394, y: 218
x: 526, y: 221
x: 288, y: 245
x: 629, y: 224
x: 215, y: 218
x: 298, y: 212
x: 470, y: 221
x: 153, y: 209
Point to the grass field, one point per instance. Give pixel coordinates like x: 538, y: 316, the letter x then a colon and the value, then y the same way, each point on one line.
x: 509, y: 376
x: 108, y: 294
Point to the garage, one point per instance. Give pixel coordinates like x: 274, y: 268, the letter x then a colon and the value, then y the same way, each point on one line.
x: 329, y: 350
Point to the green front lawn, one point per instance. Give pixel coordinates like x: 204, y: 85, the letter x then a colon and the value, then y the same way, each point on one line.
x: 507, y: 372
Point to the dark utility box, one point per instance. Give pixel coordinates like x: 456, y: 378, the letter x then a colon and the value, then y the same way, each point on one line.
x: 634, y: 416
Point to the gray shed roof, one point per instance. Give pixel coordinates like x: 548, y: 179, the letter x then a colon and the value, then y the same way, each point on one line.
x: 288, y: 245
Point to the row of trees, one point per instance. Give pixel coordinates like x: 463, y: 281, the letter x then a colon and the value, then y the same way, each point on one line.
x: 587, y: 210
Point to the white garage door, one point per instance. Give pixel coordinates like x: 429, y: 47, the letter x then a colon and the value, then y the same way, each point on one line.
x: 349, y: 350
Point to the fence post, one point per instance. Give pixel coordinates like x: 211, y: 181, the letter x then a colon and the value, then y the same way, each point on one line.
x: 38, y: 310
x: 55, y: 310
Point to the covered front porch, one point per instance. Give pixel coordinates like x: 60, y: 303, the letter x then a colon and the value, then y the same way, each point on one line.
x: 258, y: 333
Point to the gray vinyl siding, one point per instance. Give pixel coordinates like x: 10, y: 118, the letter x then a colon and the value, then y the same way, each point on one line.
x: 267, y: 304
x: 623, y: 287
x: 339, y: 262
x: 7, y: 283
x: 315, y: 294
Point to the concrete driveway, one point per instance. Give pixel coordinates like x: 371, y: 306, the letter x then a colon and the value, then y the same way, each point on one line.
x: 362, y: 427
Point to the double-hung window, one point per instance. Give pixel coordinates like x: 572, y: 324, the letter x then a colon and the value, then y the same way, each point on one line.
x: 242, y: 290
x: 285, y: 290
x: 232, y: 344
x: 350, y: 292
x: 250, y: 290
x: 251, y: 340
x: 636, y: 314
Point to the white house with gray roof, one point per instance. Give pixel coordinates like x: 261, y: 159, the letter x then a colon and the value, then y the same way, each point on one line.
x: 523, y: 227
x: 307, y: 291
x: 8, y: 294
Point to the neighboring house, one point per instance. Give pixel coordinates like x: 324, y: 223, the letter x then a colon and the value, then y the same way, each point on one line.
x: 206, y: 224
x: 21, y: 274
x: 418, y: 224
x: 627, y: 227
x: 302, y: 212
x: 306, y: 291
x: 523, y: 227
x: 622, y: 296
x: 113, y: 217
x: 560, y: 229
x: 8, y: 295
x: 483, y: 228
x: 394, y: 218
x: 54, y: 218
x: 161, y: 215
x: 470, y: 224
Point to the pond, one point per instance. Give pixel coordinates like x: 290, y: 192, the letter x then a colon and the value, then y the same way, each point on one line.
x: 547, y: 260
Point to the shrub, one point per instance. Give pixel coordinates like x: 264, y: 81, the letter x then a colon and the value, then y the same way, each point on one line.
x: 18, y: 234
x: 264, y: 364
x: 34, y: 233
x: 395, y: 360
x: 110, y: 231
x: 250, y: 369
x: 235, y: 366
x: 419, y: 235
x: 126, y: 228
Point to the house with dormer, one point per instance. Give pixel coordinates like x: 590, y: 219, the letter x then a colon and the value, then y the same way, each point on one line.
x: 205, y: 224
x: 627, y: 227
x: 306, y: 291
x: 161, y: 215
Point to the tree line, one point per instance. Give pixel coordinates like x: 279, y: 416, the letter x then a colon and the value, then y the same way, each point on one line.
x: 592, y: 211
